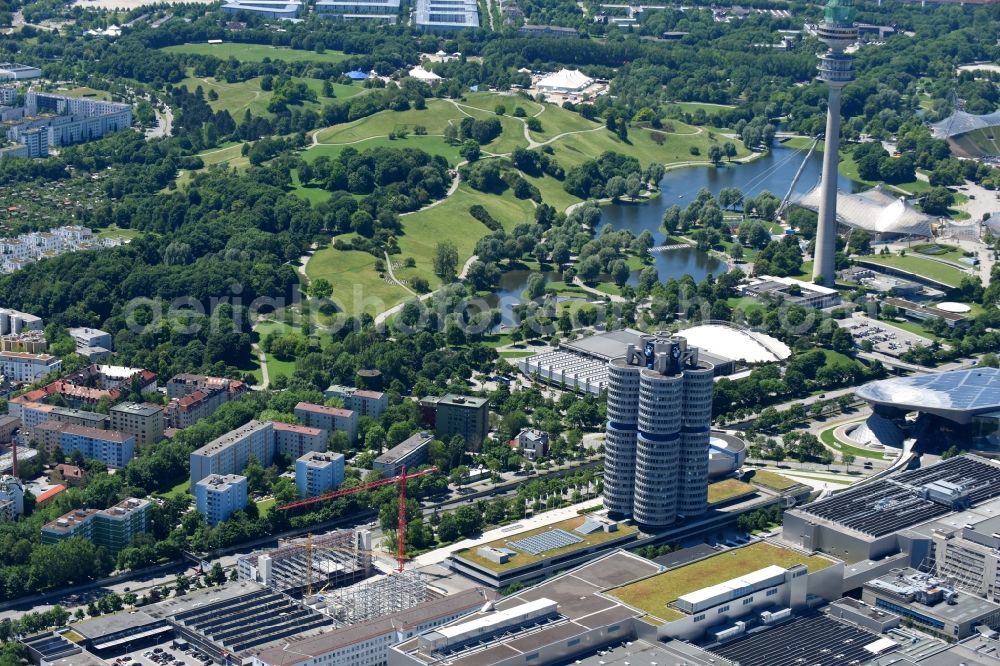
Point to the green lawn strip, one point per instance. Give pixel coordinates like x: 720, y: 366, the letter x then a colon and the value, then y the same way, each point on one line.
x: 435, y: 118
x: 488, y: 101
x: 913, y: 327
x: 357, y: 287
x: 117, y: 232
x: 940, y: 252
x: 264, y: 505
x: 180, y: 490
x: 828, y: 438
x: 237, y: 97
x: 452, y: 221
x: 820, y: 477
x: 691, y: 107
x: 772, y: 480
x: 727, y: 489
x: 516, y: 354
x: 257, y: 52
x: 653, y: 594
x: 84, y: 91
x: 433, y: 145
x: 916, y: 265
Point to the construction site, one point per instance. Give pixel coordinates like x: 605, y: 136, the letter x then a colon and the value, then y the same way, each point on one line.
x: 334, y: 575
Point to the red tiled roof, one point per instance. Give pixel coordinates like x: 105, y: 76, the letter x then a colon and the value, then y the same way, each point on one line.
x: 49, y: 494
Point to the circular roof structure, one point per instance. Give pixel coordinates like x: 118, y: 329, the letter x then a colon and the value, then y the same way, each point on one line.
x: 739, y: 344
x: 951, y: 306
x: 956, y: 395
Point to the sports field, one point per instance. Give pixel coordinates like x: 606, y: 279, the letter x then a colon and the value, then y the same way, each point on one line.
x: 256, y: 52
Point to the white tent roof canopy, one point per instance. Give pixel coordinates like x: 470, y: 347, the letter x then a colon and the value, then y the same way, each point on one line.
x: 875, y: 210
x: 422, y: 74
x: 566, y: 79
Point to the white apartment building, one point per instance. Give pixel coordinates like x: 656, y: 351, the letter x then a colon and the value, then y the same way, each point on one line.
x: 23, y: 367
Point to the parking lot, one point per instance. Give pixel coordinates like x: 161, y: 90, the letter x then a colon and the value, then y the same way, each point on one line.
x: 885, y: 338
x: 167, y: 656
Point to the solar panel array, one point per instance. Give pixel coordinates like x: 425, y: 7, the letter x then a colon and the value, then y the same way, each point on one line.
x: 884, y: 507
x: 960, y: 390
x: 551, y: 540
x: 814, y: 640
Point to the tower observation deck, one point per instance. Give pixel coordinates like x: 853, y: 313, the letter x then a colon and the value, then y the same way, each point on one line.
x: 837, y: 31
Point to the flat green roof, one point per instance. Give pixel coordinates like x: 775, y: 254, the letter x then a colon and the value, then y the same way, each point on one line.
x: 524, y: 559
x: 653, y: 594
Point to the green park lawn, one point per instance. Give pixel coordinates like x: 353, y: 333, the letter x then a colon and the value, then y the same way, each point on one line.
x: 275, y: 367
x: 357, y: 287
x: 451, y: 221
x: 431, y: 144
x: 117, y: 232
x: 691, y: 107
x: 435, y: 118
x: 830, y: 439
x: 237, y: 98
x: 916, y: 265
x: 489, y: 101
x: 256, y: 52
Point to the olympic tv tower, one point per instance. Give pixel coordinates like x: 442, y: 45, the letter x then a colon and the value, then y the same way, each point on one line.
x: 837, y: 31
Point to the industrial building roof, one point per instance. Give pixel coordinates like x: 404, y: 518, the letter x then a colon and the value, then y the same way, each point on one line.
x: 904, y: 582
x: 811, y: 640
x: 240, y: 618
x: 875, y: 210
x: 407, y: 620
x: 580, y: 606
x: 890, y: 505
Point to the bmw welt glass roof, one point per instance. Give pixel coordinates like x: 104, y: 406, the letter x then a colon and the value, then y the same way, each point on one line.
x: 958, y: 390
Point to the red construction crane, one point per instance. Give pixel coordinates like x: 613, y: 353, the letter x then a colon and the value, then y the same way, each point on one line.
x: 401, y: 522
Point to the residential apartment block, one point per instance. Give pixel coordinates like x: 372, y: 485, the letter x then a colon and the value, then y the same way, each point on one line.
x: 64, y: 120
x: 112, y: 448
x: 218, y: 496
x: 410, y: 452
x: 18, y: 252
x: 194, y: 397
x: 230, y: 453
x: 317, y: 473
x: 143, y: 421
x: 295, y: 440
x: 112, y: 528
x: 25, y: 368
x: 458, y: 415
x: 13, y: 322
x: 331, y: 419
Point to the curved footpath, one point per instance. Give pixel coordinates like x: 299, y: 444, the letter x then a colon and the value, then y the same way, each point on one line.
x: 456, y: 181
